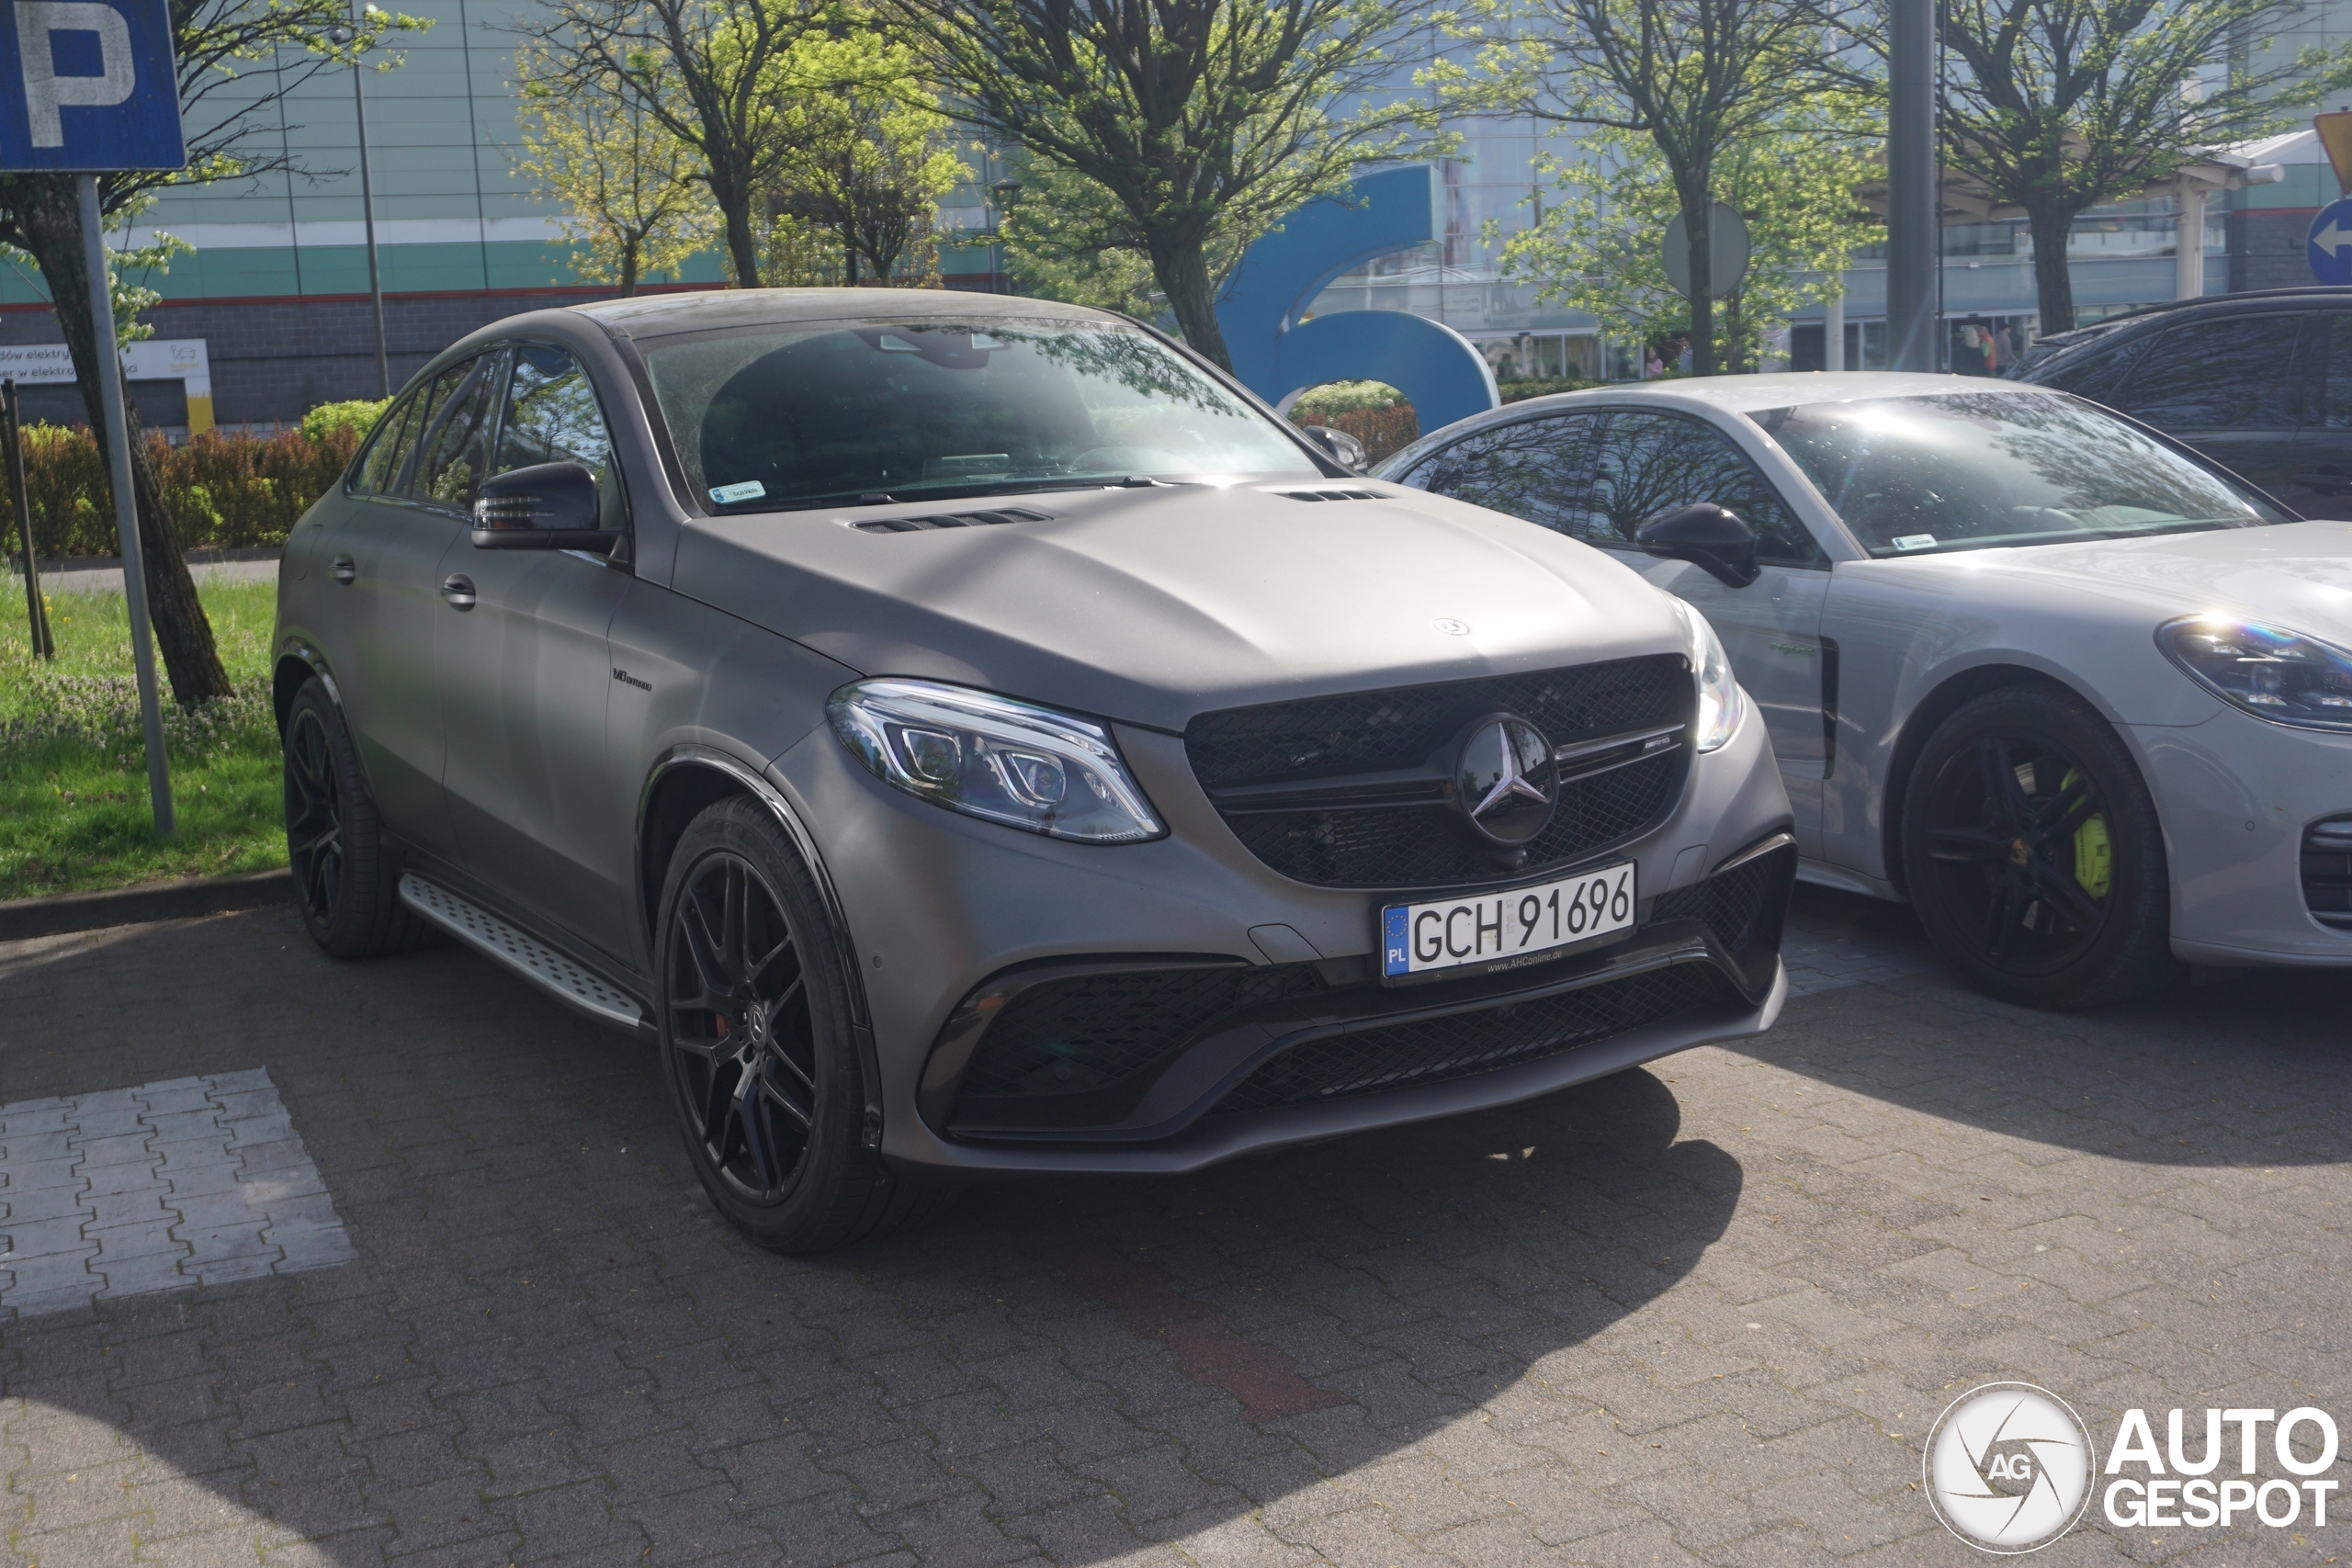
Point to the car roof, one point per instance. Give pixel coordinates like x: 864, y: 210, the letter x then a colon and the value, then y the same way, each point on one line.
x: 659, y: 315
x: 1740, y: 394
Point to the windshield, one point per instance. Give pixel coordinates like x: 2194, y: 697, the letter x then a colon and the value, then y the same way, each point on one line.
x: 1963, y: 471
x: 839, y: 411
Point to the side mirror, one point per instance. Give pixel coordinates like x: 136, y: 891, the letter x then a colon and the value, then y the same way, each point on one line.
x: 1714, y: 538
x: 1338, y: 445
x: 549, y: 506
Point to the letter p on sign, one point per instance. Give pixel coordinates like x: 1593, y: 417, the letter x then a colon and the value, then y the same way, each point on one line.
x: 38, y: 23
x: 100, y: 92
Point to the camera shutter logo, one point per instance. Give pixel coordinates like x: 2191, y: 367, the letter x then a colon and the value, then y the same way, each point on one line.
x: 2008, y: 1467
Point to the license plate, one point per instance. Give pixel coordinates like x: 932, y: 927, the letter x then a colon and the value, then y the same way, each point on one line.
x: 1505, y: 929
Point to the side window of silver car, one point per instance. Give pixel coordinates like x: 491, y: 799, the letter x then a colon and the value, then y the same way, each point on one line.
x: 1648, y: 463
x: 1536, y: 469
x: 552, y: 416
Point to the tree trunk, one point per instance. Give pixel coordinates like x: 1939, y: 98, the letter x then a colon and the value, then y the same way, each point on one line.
x: 2052, y: 284
x: 51, y: 221
x: 1698, y: 206
x: 734, y: 201
x: 1183, y: 271
x: 629, y: 269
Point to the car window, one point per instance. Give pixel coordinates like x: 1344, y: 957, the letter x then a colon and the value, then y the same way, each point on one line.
x: 1962, y: 471
x: 387, y: 446
x: 2335, y: 373
x: 818, y: 414
x: 2096, y: 376
x: 1649, y: 463
x: 1536, y: 469
x: 2235, y: 373
x: 552, y: 416
x: 451, y: 457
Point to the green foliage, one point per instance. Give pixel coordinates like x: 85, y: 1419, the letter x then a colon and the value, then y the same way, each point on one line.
x: 1599, y: 246
x: 1334, y: 398
x: 73, y: 811
x: 1544, y: 387
x: 226, y: 492
x: 358, y: 416
x: 634, y: 202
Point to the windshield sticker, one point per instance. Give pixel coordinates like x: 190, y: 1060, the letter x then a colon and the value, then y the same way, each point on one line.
x: 749, y: 489
x: 1901, y: 541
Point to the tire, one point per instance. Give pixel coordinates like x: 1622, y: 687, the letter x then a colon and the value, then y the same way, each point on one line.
x: 346, y: 870
x: 756, y: 1043
x: 2033, y: 854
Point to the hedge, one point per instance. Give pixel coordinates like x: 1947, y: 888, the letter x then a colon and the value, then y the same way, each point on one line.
x: 225, y: 491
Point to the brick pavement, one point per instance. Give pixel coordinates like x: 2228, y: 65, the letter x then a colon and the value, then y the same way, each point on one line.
x: 1701, y: 1313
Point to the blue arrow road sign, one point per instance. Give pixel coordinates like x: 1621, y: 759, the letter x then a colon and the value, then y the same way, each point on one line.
x: 2330, y: 243
x: 87, y: 87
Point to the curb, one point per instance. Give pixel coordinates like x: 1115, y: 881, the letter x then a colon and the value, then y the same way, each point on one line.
x: 22, y: 918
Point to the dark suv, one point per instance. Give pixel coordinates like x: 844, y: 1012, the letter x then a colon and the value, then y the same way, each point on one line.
x: 2260, y: 382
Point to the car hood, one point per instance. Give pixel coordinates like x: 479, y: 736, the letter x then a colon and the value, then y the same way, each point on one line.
x: 1150, y: 606
x: 2296, y: 574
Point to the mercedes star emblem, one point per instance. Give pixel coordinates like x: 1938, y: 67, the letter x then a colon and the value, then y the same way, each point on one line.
x: 1506, y: 780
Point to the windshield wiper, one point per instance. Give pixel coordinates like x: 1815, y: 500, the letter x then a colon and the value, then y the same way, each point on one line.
x: 920, y: 493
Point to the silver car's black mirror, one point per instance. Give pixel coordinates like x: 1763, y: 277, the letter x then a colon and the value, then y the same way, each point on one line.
x: 1338, y: 445
x: 1712, y: 537
x: 549, y: 506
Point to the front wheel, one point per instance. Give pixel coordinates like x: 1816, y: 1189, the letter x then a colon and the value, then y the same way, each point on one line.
x: 2034, y: 853
x: 757, y: 1043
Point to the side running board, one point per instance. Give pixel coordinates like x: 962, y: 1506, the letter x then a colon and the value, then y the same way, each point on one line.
x: 521, y: 952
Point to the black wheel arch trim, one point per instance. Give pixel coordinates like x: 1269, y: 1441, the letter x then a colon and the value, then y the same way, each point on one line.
x: 751, y: 779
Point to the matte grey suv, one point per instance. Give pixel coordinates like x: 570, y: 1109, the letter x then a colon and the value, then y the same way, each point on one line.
x: 971, y: 734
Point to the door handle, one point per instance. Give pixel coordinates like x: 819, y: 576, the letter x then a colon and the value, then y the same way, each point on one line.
x: 343, y: 570
x: 459, y: 590
x: 2322, y: 479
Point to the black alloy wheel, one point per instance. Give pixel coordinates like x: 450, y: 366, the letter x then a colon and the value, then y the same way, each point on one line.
x: 2034, y: 853
x: 313, y: 816
x: 346, y: 868
x: 758, y: 1041
x: 739, y: 1027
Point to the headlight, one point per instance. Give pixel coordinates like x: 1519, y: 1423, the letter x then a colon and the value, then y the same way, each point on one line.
x: 2266, y: 670
x: 1721, y: 701
x: 994, y: 758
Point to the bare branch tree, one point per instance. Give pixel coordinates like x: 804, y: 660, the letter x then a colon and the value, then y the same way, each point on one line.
x: 711, y: 71
x: 1187, y: 112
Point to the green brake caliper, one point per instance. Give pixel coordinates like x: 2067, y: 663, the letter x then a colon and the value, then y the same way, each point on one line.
x: 2094, y: 851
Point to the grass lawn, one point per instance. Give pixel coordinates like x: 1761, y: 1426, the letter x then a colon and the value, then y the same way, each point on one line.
x: 73, y: 773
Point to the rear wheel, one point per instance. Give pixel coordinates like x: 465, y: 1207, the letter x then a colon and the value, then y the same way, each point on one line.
x: 345, y: 870
x: 756, y: 1040
x: 2034, y: 853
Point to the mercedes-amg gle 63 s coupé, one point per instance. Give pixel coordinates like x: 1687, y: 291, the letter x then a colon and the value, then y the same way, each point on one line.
x: 973, y: 735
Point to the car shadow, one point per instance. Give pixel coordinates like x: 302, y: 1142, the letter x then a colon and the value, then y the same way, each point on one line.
x: 2245, y: 1068
x: 548, y: 1335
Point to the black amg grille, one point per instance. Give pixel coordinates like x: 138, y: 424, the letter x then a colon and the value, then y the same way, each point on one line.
x: 1349, y: 843
x: 2327, y: 871
x: 1457, y: 1045
x: 1432, y: 846
x: 1072, y: 1036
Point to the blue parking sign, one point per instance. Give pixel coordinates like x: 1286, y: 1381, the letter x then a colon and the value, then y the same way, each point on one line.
x: 2329, y: 242
x: 88, y: 86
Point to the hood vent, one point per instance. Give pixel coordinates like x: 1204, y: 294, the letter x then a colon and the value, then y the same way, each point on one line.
x: 1333, y: 494
x: 949, y: 520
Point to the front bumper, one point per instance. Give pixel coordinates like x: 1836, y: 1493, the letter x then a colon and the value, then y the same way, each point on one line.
x: 2238, y: 798
x: 940, y: 906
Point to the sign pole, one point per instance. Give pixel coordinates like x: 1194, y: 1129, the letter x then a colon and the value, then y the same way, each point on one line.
x: 12, y: 436
x: 126, y: 504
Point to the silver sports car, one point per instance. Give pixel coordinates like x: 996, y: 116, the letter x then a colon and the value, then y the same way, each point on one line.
x: 2081, y: 696
x: 972, y: 733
